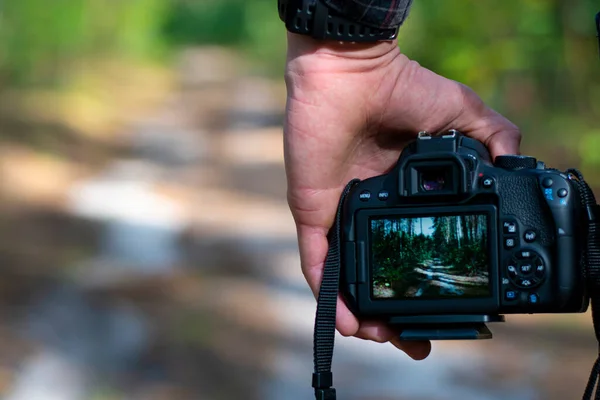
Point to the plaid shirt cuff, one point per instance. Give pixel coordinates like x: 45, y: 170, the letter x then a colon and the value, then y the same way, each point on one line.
x: 383, y: 14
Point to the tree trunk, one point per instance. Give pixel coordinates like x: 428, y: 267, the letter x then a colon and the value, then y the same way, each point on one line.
x: 465, y: 232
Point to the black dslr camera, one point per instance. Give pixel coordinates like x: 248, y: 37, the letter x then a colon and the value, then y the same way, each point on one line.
x: 449, y: 240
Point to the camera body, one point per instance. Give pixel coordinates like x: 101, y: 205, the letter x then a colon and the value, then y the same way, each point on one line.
x: 449, y: 232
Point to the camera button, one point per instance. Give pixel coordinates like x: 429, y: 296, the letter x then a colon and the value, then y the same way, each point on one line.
x: 487, y: 182
x: 383, y: 195
x: 540, y: 269
x: 525, y: 282
x: 365, y: 195
x: 526, y: 268
x: 547, y: 182
x: 512, y: 270
x: 562, y: 192
x: 510, y: 295
x: 530, y: 236
x: 525, y: 254
x: 509, y: 227
x: 533, y: 298
x: 510, y: 243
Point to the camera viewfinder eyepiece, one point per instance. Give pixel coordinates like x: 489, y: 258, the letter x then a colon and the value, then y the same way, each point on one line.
x: 436, y: 169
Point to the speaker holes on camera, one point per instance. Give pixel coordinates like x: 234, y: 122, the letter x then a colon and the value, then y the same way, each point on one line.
x: 470, y: 163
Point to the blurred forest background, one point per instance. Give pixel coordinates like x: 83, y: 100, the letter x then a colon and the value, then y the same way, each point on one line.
x: 532, y: 60
x: 146, y: 247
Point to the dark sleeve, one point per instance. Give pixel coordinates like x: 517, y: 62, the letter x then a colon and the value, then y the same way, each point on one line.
x: 377, y: 13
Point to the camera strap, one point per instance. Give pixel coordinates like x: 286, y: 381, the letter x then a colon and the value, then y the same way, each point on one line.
x: 593, y: 263
x: 591, y: 260
x: 324, y: 334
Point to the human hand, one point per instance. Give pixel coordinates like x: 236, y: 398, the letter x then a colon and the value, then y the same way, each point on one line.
x: 351, y: 108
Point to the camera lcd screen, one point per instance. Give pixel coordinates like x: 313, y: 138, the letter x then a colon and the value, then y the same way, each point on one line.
x: 430, y: 257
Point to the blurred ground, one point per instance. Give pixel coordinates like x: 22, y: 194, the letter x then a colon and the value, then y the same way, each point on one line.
x: 161, y: 263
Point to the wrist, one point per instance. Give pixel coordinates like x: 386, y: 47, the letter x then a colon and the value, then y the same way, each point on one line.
x: 305, y: 45
x: 306, y: 54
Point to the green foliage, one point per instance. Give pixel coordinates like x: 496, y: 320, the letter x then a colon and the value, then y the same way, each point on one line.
x: 32, y: 36
x: 535, y: 61
x: 206, y: 22
x: 252, y: 27
x: 40, y: 40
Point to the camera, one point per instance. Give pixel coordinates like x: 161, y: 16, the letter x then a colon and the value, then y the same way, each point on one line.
x: 450, y: 236
x: 449, y: 240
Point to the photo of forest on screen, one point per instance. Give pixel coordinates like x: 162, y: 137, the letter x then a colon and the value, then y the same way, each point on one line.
x: 430, y: 257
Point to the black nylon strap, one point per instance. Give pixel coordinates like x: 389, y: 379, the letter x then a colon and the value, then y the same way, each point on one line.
x: 592, y: 263
x: 589, y: 390
x: 324, y: 334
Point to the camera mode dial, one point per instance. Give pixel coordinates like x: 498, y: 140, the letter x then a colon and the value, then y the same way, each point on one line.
x: 515, y: 162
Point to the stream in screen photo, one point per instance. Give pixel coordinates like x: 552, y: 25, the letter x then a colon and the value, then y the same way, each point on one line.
x: 430, y: 257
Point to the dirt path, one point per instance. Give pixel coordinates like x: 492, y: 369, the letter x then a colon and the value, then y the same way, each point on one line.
x: 451, y: 278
